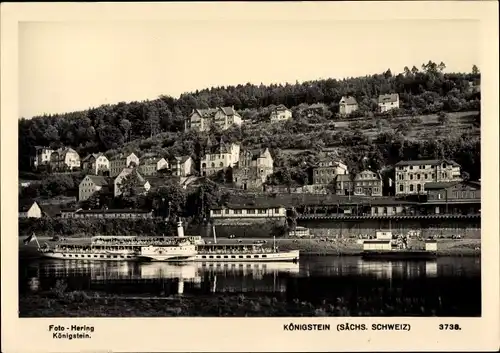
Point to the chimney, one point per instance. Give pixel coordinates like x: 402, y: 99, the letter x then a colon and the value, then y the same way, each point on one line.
x: 180, y: 229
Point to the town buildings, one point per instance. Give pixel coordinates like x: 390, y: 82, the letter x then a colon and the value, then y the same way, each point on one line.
x: 90, y: 185
x: 411, y: 176
x: 253, y: 169
x: 95, y: 163
x: 222, y: 117
x: 142, y: 185
x: 64, y: 158
x: 29, y: 209
x: 387, y: 102
x: 280, y: 113
x: 343, y: 184
x: 41, y: 156
x: 150, y: 166
x: 107, y: 213
x: 368, y: 183
x: 120, y: 162
x: 219, y: 158
x: 456, y: 197
x: 182, y: 166
x: 254, y: 212
x: 347, y: 105
x: 327, y: 169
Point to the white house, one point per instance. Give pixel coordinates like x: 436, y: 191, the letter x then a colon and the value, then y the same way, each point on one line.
x: 387, y: 102
x: 280, y: 113
x: 30, y: 210
x: 142, y: 187
x: 182, y: 166
x: 90, y: 185
x: 95, y: 163
x: 223, y: 117
x: 348, y: 105
x: 41, y: 156
x: 118, y: 163
x: 65, y: 157
x: 225, y: 156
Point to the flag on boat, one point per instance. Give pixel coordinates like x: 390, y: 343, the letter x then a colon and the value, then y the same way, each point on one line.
x: 29, y: 239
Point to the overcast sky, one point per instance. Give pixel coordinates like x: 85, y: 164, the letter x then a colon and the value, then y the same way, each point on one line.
x: 70, y: 66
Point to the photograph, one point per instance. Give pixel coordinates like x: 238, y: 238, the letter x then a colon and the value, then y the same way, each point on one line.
x: 225, y: 166
x: 352, y: 194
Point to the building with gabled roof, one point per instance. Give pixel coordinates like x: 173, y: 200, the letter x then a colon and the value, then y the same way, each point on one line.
x: 280, y: 113
x: 29, y: 209
x: 253, y: 169
x: 95, y: 163
x: 411, y: 176
x: 347, y: 105
x: 121, y: 161
x: 151, y: 165
x: 202, y: 119
x: 182, y: 166
x: 219, y: 157
x: 142, y: 186
x: 90, y: 185
x: 64, y: 158
x: 368, y: 183
x: 387, y: 102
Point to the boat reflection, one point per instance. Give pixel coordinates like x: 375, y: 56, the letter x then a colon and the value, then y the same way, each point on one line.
x: 399, y: 269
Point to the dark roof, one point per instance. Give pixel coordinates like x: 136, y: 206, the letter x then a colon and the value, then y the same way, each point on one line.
x: 385, y: 98
x: 112, y: 211
x: 377, y: 175
x: 182, y: 159
x: 25, y: 205
x: 281, y: 107
x: 343, y: 177
x: 229, y: 111
x: 349, y: 100
x: 98, y: 180
x: 51, y: 210
x: 427, y: 161
x: 444, y: 185
x: 249, y: 206
x: 376, y: 241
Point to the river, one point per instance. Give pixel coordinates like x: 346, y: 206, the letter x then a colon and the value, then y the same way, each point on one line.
x: 448, y: 286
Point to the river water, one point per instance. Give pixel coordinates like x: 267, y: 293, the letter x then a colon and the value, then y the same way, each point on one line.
x: 448, y: 286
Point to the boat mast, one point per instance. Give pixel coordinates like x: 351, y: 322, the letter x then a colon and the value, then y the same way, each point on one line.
x: 274, y: 243
x: 213, y: 232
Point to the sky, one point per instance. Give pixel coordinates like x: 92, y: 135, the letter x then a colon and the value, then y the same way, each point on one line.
x: 71, y: 66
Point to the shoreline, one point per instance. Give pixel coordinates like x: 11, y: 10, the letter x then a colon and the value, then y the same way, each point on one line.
x: 318, y: 247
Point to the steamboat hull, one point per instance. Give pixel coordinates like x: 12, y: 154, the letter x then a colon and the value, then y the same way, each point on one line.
x: 89, y: 257
x: 289, y: 256
x: 398, y: 255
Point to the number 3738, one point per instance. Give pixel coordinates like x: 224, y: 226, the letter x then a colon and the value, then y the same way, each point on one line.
x: 450, y: 327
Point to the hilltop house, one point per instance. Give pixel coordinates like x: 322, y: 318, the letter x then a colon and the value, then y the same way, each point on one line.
x: 327, y: 169
x: 151, y: 166
x: 64, y: 158
x: 253, y: 169
x: 387, y: 102
x: 280, y: 113
x: 41, y: 156
x: 141, y: 187
x: 182, y: 166
x: 120, y: 162
x: 95, y: 163
x: 29, y: 209
x: 223, y: 117
x: 219, y: 158
x: 90, y: 185
x: 411, y: 176
x: 368, y: 183
x: 347, y: 105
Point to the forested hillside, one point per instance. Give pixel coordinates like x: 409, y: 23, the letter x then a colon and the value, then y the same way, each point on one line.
x: 430, y: 100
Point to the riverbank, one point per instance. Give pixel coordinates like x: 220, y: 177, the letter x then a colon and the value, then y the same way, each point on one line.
x: 311, y: 247
x: 95, y: 304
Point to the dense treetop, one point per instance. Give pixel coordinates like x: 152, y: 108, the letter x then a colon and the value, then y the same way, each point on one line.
x: 157, y: 125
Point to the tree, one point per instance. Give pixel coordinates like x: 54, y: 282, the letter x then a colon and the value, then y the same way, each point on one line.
x: 443, y: 118
x: 475, y: 70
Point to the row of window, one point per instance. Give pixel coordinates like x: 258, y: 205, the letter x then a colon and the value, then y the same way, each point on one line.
x: 251, y: 211
x: 232, y: 256
x: 411, y: 188
x: 457, y: 194
x: 98, y: 256
x: 425, y: 176
x: 375, y: 190
x: 426, y: 166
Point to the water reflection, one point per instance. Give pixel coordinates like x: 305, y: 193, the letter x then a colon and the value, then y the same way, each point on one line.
x: 447, y: 286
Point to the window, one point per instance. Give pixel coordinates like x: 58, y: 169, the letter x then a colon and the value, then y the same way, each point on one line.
x: 276, y: 210
x: 411, y: 176
x: 439, y: 196
x: 238, y: 211
x: 250, y: 211
x: 419, y: 187
x: 411, y: 167
x: 226, y: 211
x: 262, y: 211
x: 411, y: 187
x: 418, y: 176
x: 401, y: 188
x: 425, y: 176
x: 217, y: 212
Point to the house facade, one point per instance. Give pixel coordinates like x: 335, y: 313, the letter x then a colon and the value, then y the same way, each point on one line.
x: 64, y: 158
x: 348, y: 105
x: 142, y: 186
x: 151, y: 166
x: 118, y: 163
x: 182, y: 166
x: 224, y: 156
x: 387, y: 102
x: 29, y: 210
x: 248, y: 211
x: 41, y: 156
x: 253, y: 169
x: 343, y: 184
x: 459, y: 197
x: 411, y: 176
x: 96, y: 163
x: 327, y: 169
x: 90, y: 185
x: 202, y: 119
x: 368, y: 183
x: 280, y: 113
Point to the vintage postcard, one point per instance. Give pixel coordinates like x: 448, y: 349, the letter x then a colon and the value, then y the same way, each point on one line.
x: 296, y: 176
